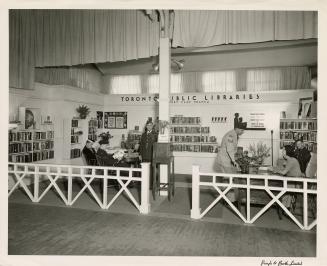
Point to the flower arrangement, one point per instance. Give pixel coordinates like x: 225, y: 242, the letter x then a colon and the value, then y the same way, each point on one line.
x: 83, y: 111
x: 163, y: 124
x: 258, y: 153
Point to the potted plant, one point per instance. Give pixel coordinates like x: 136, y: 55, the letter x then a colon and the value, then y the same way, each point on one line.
x: 259, y: 153
x: 83, y: 111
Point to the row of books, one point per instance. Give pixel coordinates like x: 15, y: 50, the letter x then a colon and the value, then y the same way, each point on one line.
x: 185, y: 130
x: 75, y: 153
x: 20, y: 147
x: 132, y: 136
x: 298, y: 125
x: 74, y: 139
x: 92, y: 137
x: 28, y: 136
x: 92, y: 130
x: 309, y: 145
x: 28, y: 147
x: 185, y: 120
x: 43, y: 135
x: 93, y: 123
x: 306, y: 136
x: 75, y: 123
x: 76, y: 131
x: 31, y: 157
x: 45, y: 145
x: 20, y: 136
x: 178, y: 138
x: 195, y: 148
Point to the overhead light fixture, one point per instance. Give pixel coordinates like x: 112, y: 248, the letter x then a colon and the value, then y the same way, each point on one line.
x: 178, y: 63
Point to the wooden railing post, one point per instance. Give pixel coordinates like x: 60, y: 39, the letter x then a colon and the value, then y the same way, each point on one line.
x: 305, y: 205
x: 195, y: 211
x: 36, y: 184
x: 248, y: 201
x: 104, y: 187
x: 145, y: 195
x: 70, y: 186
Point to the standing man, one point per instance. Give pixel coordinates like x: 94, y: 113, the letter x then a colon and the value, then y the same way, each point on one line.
x: 226, y: 156
x: 146, y: 145
x: 302, y: 154
x: 149, y: 137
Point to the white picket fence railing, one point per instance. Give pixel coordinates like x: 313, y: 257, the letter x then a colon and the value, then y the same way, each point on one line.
x: 305, y: 186
x: 52, y: 172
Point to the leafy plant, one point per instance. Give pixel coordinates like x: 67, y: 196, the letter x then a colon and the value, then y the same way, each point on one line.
x: 259, y: 152
x: 83, y: 111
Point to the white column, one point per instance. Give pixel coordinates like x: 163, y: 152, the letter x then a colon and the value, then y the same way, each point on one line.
x: 145, y: 195
x: 164, y: 92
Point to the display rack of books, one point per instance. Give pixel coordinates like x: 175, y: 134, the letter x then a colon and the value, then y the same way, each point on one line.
x: 134, y: 137
x: 31, y: 145
x: 92, y: 129
x: 293, y: 129
x: 76, y: 134
x: 187, y: 135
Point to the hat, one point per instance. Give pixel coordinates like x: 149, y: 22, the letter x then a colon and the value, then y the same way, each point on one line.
x: 242, y: 125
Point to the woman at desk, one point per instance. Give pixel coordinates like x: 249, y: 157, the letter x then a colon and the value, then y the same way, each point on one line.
x: 292, y: 168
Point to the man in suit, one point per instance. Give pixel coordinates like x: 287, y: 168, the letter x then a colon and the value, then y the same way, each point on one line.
x: 146, y: 145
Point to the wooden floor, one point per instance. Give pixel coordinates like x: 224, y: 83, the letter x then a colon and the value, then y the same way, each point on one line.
x: 48, y: 230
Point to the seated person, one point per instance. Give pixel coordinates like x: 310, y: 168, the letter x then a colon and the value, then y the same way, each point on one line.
x: 292, y: 168
x: 89, y: 153
x: 302, y: 154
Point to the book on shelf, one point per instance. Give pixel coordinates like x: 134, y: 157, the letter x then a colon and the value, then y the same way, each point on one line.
x: 75, y: 153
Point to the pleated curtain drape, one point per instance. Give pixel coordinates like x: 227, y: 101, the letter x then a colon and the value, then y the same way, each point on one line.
x: 87, y: 77
x: 254, y: 79
x: 43, y: 38
x: 203, y: 28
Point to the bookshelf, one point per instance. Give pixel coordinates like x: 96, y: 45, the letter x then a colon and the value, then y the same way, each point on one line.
x: 31, y: 145
x: 92, y: 129
x: 188, y: 135
x: 134, y: 137
x: 292, y: 129
x: 75, y: 134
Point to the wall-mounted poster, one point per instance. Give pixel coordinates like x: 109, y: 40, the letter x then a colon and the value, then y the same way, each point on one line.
x: 305, y: 107
x: 114, y: 120
x: 121, y: 119
x: 30, y: 118
x: 111, y: 120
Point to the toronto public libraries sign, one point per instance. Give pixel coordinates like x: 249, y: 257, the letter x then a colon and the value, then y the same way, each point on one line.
x: 214, y: 98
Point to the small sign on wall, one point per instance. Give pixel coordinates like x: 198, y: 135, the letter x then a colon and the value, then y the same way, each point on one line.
x: 219, y: 119
x: 254, y: 120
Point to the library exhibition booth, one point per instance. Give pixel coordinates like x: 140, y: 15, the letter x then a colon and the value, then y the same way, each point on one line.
x: 240, y: 95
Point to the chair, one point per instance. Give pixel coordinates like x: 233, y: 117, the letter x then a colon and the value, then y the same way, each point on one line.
x: 162, y: 155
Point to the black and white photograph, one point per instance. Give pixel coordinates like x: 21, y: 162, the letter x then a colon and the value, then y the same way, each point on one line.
x: 138, y: 135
